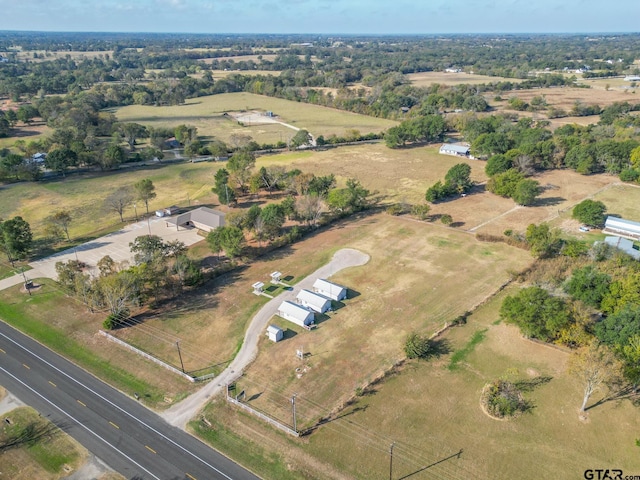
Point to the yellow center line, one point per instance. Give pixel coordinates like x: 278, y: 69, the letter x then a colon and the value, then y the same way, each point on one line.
x: 84, y: 405
x: 114, y: 425
x: 1, y: 350
x: 26, y: 366
x: 190, y: 476
x: 52, y: 383
x: 150, y: 449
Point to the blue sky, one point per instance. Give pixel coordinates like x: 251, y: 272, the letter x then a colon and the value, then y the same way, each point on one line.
x: 322, y: 16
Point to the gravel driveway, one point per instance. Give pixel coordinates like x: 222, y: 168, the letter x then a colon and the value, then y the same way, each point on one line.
x: 180, y: 413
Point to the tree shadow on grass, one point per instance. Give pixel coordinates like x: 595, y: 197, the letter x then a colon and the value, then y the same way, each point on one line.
x: 530, y: 385
x: 548, y: 202
x: 626, y: 392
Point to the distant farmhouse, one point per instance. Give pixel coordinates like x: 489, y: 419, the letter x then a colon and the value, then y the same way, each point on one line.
x: 202, y: 218
x: 456, y: 149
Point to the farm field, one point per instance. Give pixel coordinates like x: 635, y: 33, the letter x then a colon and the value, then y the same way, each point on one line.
x: 431, y: 410
x: 206, y: 114
x: 26, y: 133
x: 424, y: 79
x: 83, y: 195
x: 226, y: 73
x: 45, y: 55
x: 565, y: 97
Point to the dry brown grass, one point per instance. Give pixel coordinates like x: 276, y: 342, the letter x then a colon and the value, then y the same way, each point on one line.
x: 425, y: 79
x: 48, y: 56
x: 565, y: 97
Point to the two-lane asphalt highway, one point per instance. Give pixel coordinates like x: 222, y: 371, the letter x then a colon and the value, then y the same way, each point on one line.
x: 125, y: 435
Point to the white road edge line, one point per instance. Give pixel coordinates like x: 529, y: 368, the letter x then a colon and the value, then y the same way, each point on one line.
x: 116, y: 406
x: 78, y: 422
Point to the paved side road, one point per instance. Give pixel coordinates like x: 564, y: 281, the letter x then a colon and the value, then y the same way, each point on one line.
x: 119, y: 430
x: 180, y: 413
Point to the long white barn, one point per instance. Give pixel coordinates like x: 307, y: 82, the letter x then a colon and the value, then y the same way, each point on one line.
x: 622, y: 228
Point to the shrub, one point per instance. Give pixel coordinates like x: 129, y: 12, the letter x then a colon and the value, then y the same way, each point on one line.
x: 501, y: 399
x: 111, y: 322
x: 416, y: 346
x: 446, y: 219
x: 420, y: 211
x: 395, y: 209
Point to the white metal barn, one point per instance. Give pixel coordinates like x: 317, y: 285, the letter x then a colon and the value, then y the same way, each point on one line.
x: 330, y: 290
x: 622, y: 227
x: 274, y: 333
x: 296, y: 314
x: 315, y: 302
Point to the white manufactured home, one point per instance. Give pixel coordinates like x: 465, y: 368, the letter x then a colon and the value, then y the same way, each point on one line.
x: 330, y: 290
x: 296, y: 314
x: 314, y: 301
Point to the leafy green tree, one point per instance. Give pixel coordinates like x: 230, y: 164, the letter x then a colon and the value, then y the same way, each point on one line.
x: 112, y: 157
x: 588, y: 285
x: 543, y: 240
x: 273, y: 218
x: 145, y: 191
x: 504, y: 184
x: 214, y: 240
x: 458, y: 178
x: 240, y: 166
x: 498, y: 164
x: 233, y: 241
x: 15, y: 238
x: 187, y: 271
x: 320, y: 186
x: 299, y: 139
x: 60, y: 159
x: 446, y: 219
x: 622, y: 292
x: 590, y: 212
x: 226, y: 194
x: 536, y: 313
x: 11, y: 164
x: 618, y: 328
x: 634, y: 158
x: 526, y: 192
x: 132, y: 132
x: 146, y: 248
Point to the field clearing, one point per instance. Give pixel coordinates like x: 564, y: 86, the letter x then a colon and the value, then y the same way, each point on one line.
x: 564, y: 189
x: 357, y: 342
x: 565, y: 97
x: 84, y: 195
x: 49, y: 458
x: 621, y: 200
x: 316, y: 119
x: 613, y: 83
x: 26, y: 133
x: 425, y: 79
x: 49, y: 55
x: 226, y: 73
x: 433, y: 416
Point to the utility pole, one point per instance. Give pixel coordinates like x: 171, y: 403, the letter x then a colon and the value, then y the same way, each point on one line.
x: 188, y: 199
x: 149, y: 224
x: 180, y: 355
x: 293, y: 408
x: 135, y: 209
x: 391, y: 461
x: 26, y: 282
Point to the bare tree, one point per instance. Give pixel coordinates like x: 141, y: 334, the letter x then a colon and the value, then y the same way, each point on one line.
x: 310, y: 208
x: 119, y: 200
x: 596, y: 367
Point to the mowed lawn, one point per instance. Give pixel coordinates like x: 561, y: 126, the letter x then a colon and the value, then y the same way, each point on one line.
x: 425, y: 79
x: 418, y: 278
x: 206, y: 114
x: 84, y: 196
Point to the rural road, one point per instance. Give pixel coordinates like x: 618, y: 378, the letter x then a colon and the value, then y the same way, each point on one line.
x: 180, y: 413
x: 116, y: 428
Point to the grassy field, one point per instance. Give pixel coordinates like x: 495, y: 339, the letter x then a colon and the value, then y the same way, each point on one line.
x: 45, y: 55
x: 424, y: 79
x: 432, y: 413
x: 408, y: 285
x: 73, y: 332
x: 206, y: 114
x: 84, y: 195
x: 565, y: 97
x: 54, y: 456
x: 26, y: 133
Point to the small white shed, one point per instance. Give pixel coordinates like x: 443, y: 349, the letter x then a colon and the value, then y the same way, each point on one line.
x: 274, y: 333
x: 313, y: 301
x: 330, y: 290
x: 296, y: 314
x: 258, y: 288
x: 275, y: 277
